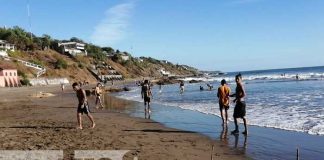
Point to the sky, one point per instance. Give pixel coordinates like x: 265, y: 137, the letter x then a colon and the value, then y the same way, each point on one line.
x: 226, y: 35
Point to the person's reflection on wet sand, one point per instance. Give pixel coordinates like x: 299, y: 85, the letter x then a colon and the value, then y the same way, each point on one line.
x: 147, y: 115
x: 244, y: 147
x: 223, y: 136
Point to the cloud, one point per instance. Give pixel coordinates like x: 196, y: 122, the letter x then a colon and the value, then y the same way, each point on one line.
x: 113, y: 27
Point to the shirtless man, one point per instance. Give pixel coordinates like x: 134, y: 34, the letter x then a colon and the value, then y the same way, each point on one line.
x: 146, y: 95
x: 82, y: 106
x: 239, y: 110
x: 98, y: 96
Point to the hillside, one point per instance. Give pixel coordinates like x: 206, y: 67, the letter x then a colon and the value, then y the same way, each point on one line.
x: 148, y: 67
x: 56, y: 64
x: 46, y: 52
x: 75, y: 68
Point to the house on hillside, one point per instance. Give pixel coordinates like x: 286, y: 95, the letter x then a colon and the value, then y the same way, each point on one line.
x: 109, y: 54
x: 124, y: 56
x: 9, y: 78
x: 73, y: 48
x: 4, y: 47
x: 164, y: 72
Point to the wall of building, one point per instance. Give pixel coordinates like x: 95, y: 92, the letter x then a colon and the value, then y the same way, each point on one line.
x: 48, y: 81
x: 9, y: 78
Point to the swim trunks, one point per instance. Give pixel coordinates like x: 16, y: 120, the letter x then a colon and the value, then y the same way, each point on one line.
x: 239, y: 110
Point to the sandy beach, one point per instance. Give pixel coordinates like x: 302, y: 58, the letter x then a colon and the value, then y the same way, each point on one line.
x: 48, y: 122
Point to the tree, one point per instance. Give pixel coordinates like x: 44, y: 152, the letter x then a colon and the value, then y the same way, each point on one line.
x: 75, y: 39
x: 46, y: 41
x: 108, y: 49
x: 95, y: 51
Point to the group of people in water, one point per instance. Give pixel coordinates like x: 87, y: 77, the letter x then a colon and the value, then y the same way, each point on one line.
x: 223, y: 94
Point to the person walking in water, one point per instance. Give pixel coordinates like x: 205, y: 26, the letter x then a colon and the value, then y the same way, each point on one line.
x: 181, y: 87
x: 239, y: 110
x: 223, y: 100
x: 146, y: 95
x: 98, y: 94
x: 82, y: 106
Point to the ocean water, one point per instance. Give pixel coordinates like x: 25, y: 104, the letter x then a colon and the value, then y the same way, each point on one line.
x: 274, y: 98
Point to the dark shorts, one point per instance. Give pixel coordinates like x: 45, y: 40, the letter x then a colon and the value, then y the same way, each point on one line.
x: 222, y: 106
x: 83, y: 108
x: 239, y: 110
x: 147, y: 99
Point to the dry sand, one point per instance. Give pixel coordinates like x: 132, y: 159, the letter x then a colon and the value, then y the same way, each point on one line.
x: 48, y: 123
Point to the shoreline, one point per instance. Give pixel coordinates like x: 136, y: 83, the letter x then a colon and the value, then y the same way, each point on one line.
x: 262, y: 142
x: 48, y: 123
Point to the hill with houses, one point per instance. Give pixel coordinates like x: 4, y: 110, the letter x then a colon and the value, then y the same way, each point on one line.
x: 38, y: 58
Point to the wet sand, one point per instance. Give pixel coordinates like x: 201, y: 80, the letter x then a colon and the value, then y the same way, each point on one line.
x: 30, y: 122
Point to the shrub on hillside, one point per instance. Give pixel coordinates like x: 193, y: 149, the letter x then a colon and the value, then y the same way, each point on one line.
x: 80, y: 65
x: 25, y: 82
x: 36, y: 61
x: 60, y: 64
x: 15, y: 54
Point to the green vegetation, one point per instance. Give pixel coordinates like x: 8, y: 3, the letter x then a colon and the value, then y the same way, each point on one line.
x: 36, y: 61
x: 41, y: 50
x: 95, y: 52
x: 61, y: 64
x: 24, y: 81
x: 15, y: 54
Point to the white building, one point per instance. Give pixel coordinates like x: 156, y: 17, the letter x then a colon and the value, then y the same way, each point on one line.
x: 4, y: 47
x: 124, y: 57
x: 73, y: 48
x: 164, y: 72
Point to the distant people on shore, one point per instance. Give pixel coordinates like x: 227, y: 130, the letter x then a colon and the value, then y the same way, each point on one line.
x: 210, y: 87
x: 182, y: 87
x: 146, y: 96
x: 223, y: 94
x: 62, y: 87
x: 240, y: 107
x: 98, y: 93
x: 83, y: 107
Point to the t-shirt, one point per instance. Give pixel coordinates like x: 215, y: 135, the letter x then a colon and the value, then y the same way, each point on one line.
x: 223, y: 94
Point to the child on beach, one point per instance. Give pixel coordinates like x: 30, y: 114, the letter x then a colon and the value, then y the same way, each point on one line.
x: 239, y: 110
x: 82, y: 106
x: 223, y: 99
x: 98, y: 93
x: 146, y: 95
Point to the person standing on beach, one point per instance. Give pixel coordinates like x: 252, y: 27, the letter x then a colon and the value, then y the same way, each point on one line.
x: 146, y: 95
x: 98, y: 93
x: 62, y: 87
x: 181, y: 87
x: 82, y: 106
x: 239, y: 110
x: 223, y: 100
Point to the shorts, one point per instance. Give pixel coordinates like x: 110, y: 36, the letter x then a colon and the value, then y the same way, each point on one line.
x: 83, y: 108
x: 239, y: 110
x: 222, y: 106
x: 147, y: 99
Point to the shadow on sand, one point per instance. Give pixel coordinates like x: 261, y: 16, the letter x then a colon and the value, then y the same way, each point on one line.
x: 38, y: 127
x: 158, y: 131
